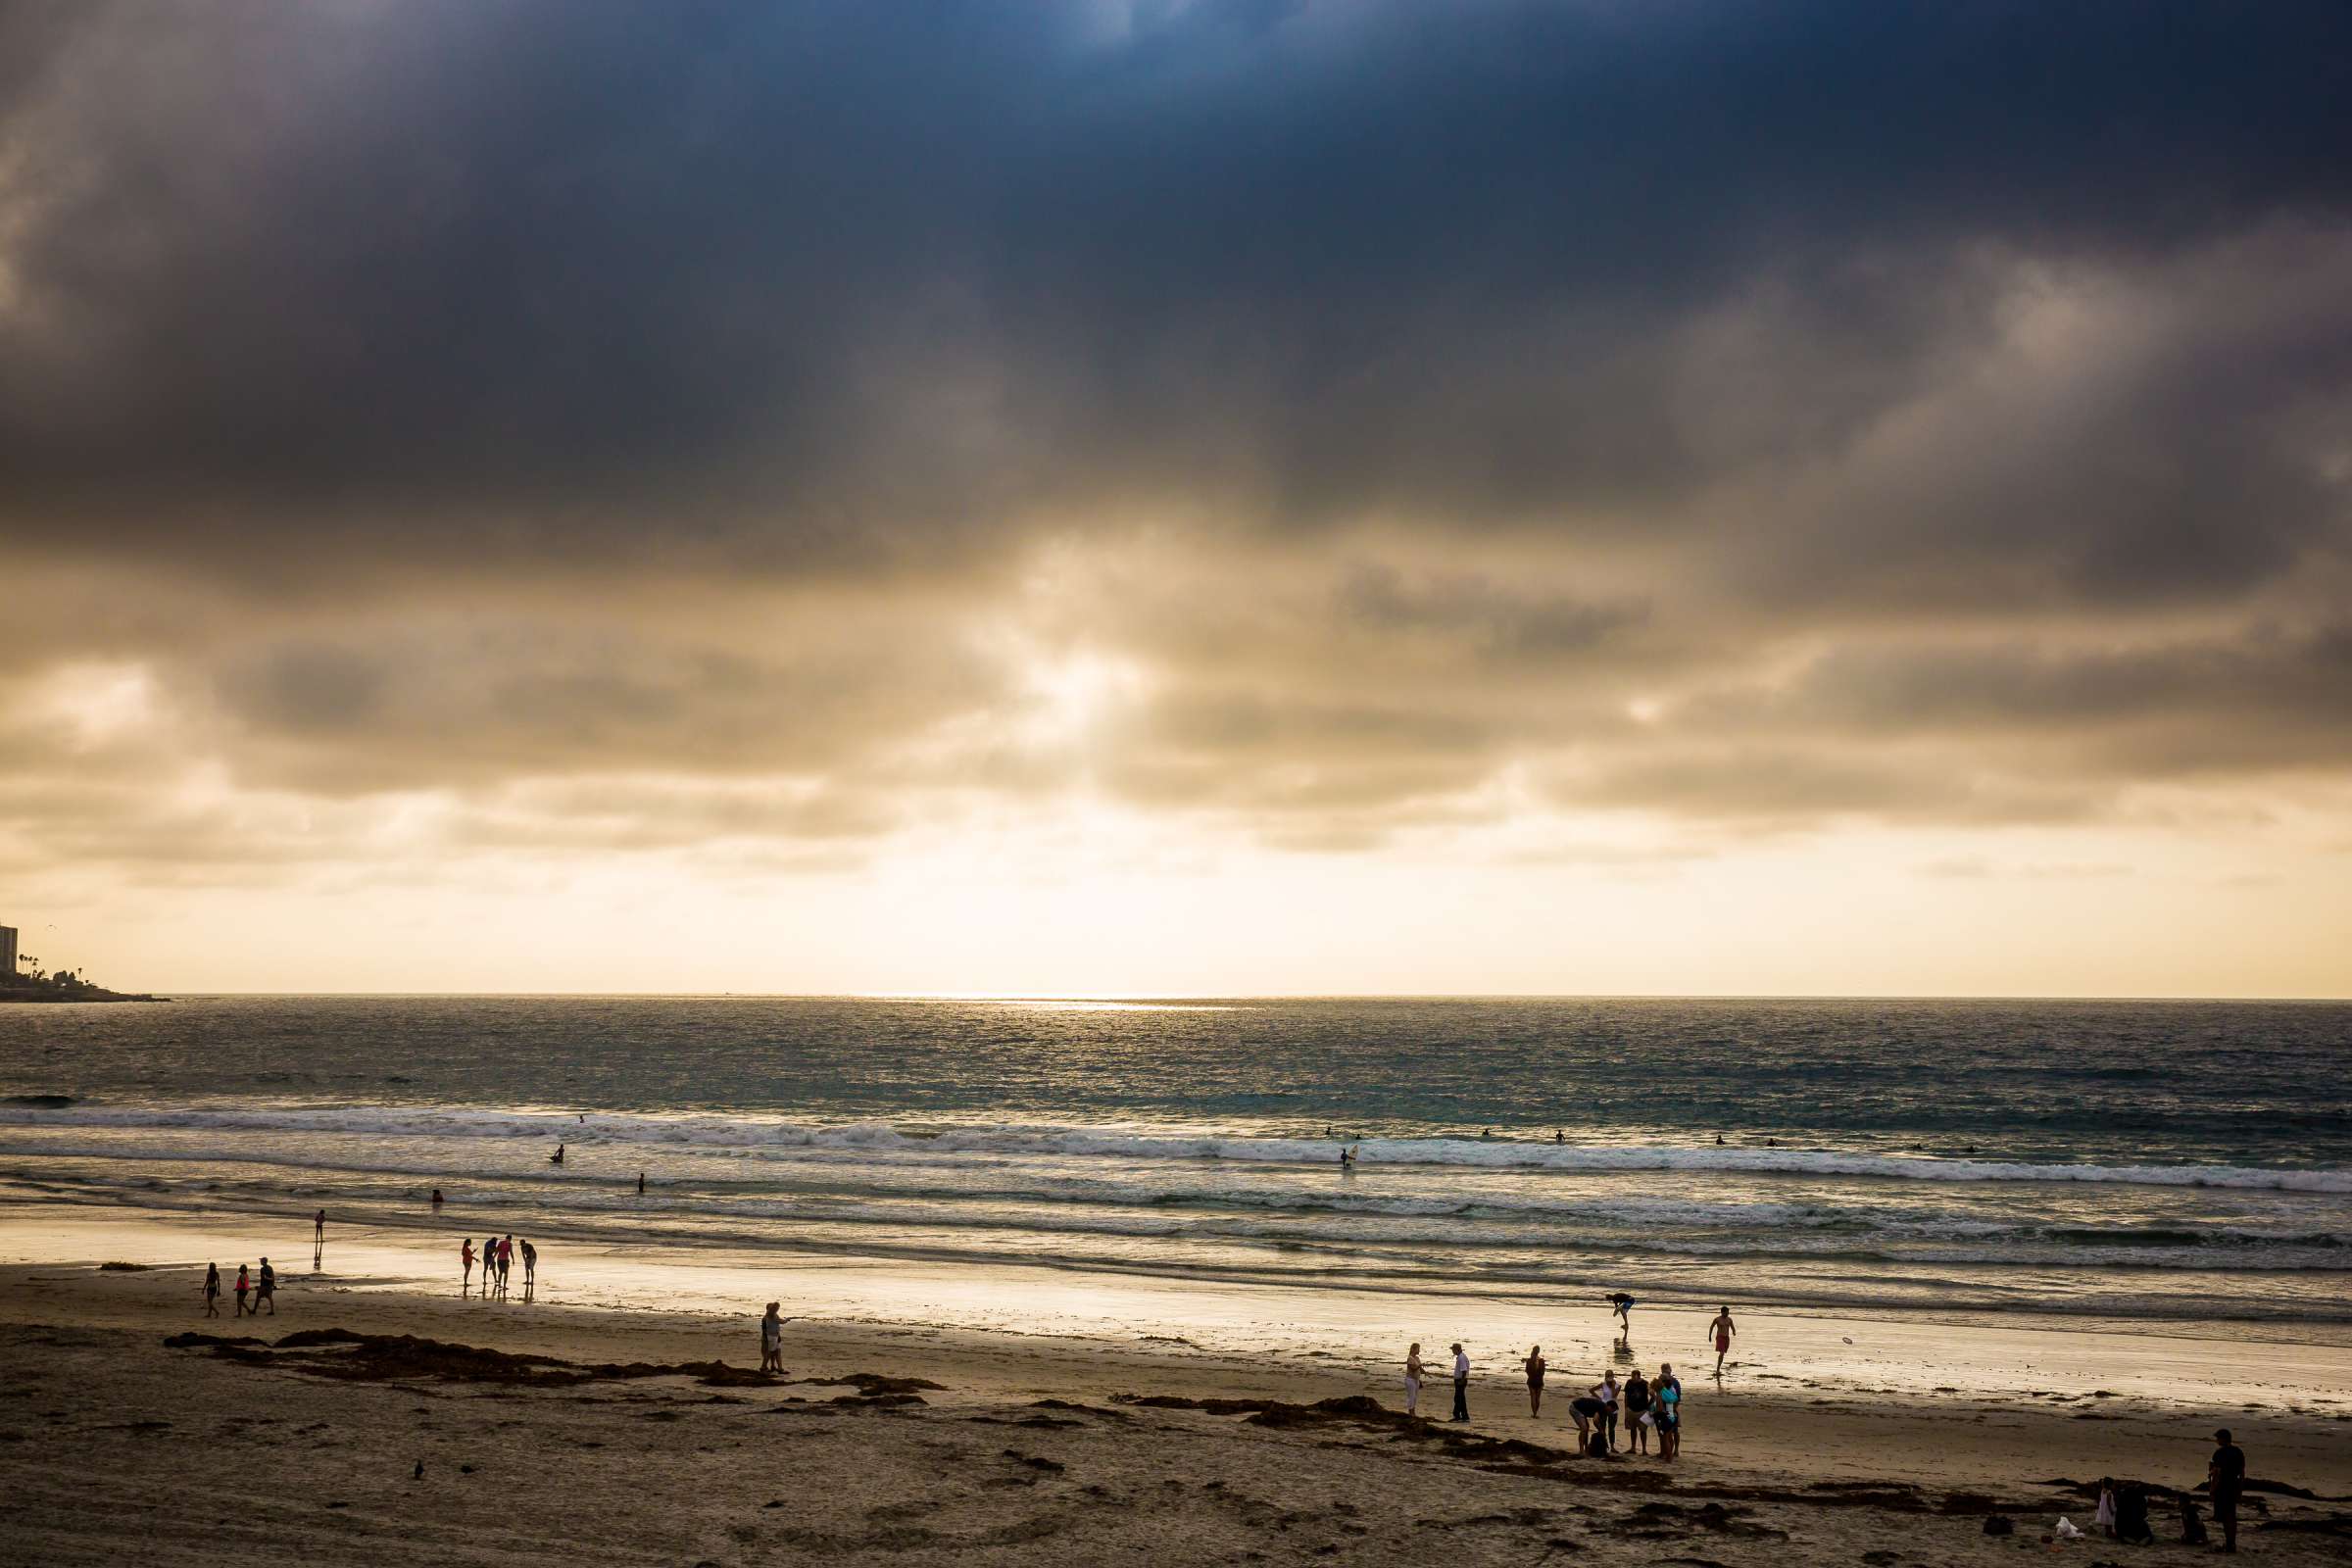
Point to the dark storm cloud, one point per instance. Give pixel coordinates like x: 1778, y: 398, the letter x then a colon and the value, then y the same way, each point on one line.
x: 436, y: 395
x: 374, y: 280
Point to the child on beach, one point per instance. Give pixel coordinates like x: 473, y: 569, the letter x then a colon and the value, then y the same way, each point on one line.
x: 211, y: 1289
x: 243, y: 1285
x: 466, y: 1256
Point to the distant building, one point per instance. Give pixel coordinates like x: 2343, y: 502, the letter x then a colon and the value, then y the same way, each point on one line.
x: 8, y: 949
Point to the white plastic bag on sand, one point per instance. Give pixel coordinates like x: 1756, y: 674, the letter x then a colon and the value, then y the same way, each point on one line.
x: 2067, y: 1529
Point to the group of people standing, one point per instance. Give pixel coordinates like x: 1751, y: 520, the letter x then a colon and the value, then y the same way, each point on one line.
x: 498, y: 1256
x: 1640, y: 1404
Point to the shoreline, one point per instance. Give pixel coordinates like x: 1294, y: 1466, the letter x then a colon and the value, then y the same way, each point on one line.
x: 2062, y: 1391
x: 938, y: 1415
x: 325, y: 1435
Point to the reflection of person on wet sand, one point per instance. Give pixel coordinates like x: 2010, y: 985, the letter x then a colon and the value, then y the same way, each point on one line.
x: 1722, y: 1330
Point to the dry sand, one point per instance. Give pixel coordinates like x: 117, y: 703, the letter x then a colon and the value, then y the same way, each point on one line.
x: 113, y: 1445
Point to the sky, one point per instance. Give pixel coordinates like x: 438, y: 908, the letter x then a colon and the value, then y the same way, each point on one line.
x: 1158, y: 498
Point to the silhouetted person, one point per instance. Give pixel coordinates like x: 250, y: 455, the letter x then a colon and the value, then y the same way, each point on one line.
x: 1535, y: 1380
x: 436, y: 1199
x: 466, y: 1256
x: 1461, y: 1383
x: 211, y: 1289
x: 2226, y: 1475
x: 265, y: 1289
x: 243, y: 1289
x: 641, y: 1183
x: 557, y: 1158
x: 1722, y: 1329
x: 771, y: 1341
x: 1637, y: 1410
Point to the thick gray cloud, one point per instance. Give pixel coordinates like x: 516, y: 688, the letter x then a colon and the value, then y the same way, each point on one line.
x: 1754, y: 414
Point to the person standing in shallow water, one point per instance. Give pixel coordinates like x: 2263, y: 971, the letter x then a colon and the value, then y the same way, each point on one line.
x: 466, y: 1258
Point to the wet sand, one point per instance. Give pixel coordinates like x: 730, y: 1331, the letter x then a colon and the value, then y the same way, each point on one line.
x: 114, y: 1442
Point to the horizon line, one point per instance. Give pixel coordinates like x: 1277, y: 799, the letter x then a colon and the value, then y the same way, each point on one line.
x: 1316, y: 995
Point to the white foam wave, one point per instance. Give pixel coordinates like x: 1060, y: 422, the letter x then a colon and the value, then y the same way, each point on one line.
x: 885, y: 1140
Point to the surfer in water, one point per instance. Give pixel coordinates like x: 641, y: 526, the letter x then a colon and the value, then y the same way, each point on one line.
x: 557, y: 1158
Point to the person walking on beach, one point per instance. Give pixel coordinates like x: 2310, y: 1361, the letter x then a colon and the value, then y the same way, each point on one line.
x: 771, y: 1341
x: 211, y: 1289
x: 2225, y: 1479
x: 1722, y: 1329
x: 1637, y: 1410
x: 1461, y: 1382
x: 265, y: 1290
x: 242, y: 1287
x: 1535, y: 1381
x: 1414, y: 1371
x: 466, y: 1256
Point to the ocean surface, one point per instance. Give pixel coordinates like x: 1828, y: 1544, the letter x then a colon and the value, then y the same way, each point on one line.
x: 2187, y: 1161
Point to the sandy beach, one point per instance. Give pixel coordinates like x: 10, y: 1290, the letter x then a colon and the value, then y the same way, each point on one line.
x: 916, y: 1421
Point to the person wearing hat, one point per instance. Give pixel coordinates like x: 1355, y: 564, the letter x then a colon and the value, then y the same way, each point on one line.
x: 2225, y: 1479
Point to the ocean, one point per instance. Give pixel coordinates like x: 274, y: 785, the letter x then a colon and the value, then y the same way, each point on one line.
x: 2122, y: 1161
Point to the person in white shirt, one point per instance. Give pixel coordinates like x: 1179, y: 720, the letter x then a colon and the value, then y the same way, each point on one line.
x: 1608, y: 1392
x: 1461, y: 1383
x: 1413, y: 1373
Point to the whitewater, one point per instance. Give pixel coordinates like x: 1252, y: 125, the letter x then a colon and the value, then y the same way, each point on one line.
x: 2133, y: 1161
